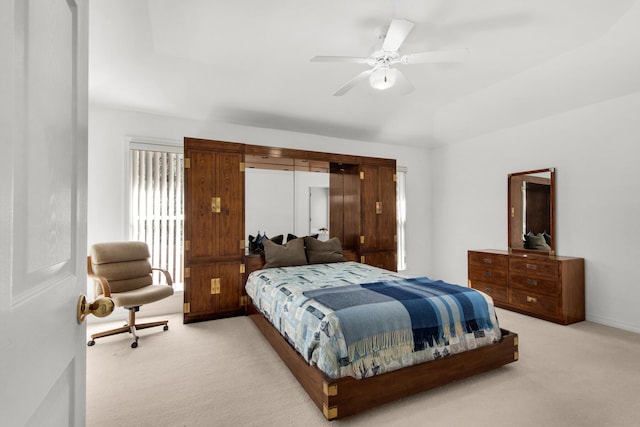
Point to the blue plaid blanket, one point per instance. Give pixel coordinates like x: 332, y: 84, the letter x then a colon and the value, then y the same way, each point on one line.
x: 416, y: 311
x: 385, y: 319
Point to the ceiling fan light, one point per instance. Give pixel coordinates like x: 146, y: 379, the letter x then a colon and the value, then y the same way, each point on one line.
x: 383, y: 78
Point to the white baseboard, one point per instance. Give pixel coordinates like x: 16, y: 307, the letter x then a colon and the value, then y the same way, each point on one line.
x: 614, y: 324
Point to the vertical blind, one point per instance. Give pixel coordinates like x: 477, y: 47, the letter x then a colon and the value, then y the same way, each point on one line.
x: 401, y: 212
x: 157, y: 214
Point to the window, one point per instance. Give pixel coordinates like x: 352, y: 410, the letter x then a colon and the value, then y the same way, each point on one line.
x: 401, y: 215
x: 156, y: 214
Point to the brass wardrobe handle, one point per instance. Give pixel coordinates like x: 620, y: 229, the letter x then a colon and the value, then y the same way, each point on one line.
x: 215, y: 205
x: 215, y: 286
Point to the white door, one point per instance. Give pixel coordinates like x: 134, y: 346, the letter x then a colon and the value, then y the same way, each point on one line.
x: 319, y: 211
x: 43, y: 170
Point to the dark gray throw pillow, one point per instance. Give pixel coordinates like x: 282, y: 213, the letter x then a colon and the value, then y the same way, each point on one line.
x: 536, y: 242
x: 277, y: 239
x: 293, y: 236
x: 319, y: 252
x: 284, y: 255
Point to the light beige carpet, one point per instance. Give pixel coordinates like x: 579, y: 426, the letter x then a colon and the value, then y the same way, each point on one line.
x: 224, y: 373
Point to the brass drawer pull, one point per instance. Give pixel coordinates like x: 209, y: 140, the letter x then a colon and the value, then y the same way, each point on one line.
x: 487, y: 260
x: 532, y: 299
x: 532, y: 282
x: 532, y: 267
x: 487, y: 274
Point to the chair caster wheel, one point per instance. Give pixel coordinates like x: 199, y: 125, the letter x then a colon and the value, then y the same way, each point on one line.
x: 90, y: 343
x: 134, y: 344
x: 166, y: 327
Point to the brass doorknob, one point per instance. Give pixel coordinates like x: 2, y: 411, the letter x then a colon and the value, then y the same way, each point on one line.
x: 102, y: 307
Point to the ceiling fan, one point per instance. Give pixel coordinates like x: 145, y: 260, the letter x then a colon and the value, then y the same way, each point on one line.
x: 381, y: 74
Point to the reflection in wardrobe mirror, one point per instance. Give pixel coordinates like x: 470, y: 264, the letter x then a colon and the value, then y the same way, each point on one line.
x: 319, y: 211
x: 312, y: 204
x: 278, y: 196
x: 531, y: 225
x: 269, y: 202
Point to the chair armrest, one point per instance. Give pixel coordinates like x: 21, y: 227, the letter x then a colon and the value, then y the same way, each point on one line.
x: 104, y: 283
x: 167, y: 276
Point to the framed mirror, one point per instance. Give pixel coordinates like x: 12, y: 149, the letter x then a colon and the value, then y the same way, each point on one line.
x: 531, y: 216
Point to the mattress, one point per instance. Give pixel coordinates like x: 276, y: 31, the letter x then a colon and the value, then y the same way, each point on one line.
x: 352, y: 319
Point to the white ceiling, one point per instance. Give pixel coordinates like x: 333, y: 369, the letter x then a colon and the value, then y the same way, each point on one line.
x: 247, y: 62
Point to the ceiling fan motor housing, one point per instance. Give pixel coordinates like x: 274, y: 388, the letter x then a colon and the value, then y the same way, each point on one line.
x: 383, y: 76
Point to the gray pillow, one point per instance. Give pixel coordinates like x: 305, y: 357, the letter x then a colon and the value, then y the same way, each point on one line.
x: 319, y: 252
x: 284, y: 255
x: 537, y: 242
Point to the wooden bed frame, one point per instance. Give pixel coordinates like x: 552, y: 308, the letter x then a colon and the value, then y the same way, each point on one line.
x: 338, y: 398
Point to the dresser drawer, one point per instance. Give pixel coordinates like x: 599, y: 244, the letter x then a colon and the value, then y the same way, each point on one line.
x: 488, y: 275
x: 534, y: 283
x: 534, y: 266
x: 498, y: 293
x: 489, y: 259
x: 534, y: 303
x: 549, y: 287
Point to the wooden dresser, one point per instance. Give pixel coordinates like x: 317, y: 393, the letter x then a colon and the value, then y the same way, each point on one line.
x: 548, y: 287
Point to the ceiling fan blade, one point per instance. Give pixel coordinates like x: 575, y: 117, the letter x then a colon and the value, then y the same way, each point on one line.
x: 397, y: 32
x: 453, y: 55
x: 342, y: 59
x: 351, y: 83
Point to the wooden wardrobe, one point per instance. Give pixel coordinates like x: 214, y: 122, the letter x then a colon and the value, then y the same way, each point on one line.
x: 362, y: 204
x: 213, y: 229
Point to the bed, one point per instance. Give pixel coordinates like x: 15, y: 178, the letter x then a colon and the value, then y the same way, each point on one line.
x: 356, y: 336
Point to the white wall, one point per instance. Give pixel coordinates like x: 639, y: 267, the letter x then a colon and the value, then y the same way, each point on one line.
x: 456, y: 194
x: 596, y: 150
x: 108, y: 129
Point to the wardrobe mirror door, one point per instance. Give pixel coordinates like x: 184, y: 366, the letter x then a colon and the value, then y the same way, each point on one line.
x: 285, y: 196
x: 269, y: 202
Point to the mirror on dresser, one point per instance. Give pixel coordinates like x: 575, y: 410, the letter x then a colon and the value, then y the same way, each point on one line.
x: 531, y: 224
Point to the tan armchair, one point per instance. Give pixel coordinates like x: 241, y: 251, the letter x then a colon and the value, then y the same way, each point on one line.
x: 121, y: 271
